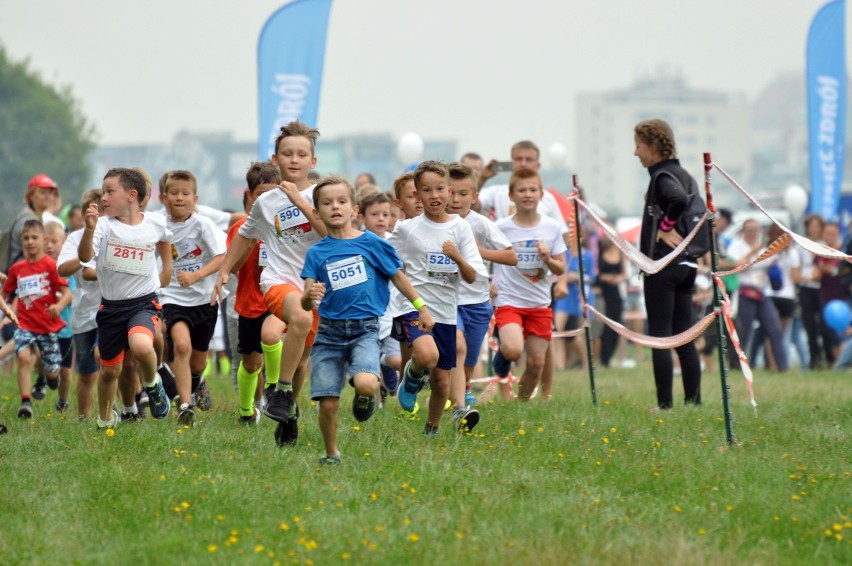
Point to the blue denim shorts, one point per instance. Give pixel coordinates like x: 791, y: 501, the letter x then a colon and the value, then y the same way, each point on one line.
x: 47, y: 343
x: 85, y: 344
x: 405, y: 329
x: 473, y: 321
x: 342, y: 343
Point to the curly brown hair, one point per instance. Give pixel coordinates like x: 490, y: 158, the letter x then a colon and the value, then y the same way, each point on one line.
x: 657, y: 133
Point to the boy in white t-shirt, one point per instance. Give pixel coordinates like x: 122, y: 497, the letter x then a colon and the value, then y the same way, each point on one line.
x: 197, y: 249
x: 124, y: 242
x: 474, y: 310
x: 284, y: 220
x: 436, y: 248
x: 523, y: 313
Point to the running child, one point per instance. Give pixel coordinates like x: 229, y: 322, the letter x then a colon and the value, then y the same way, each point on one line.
x: 86, y: 299
x: 36, y: 283
x: 124, y: 243
x: 285, y: 222
x: 474, y: 310
x: 348, y: 271
x: 523, y: 313
x: 197, y: 249
x: 436, y: 248
x: 53, y: 242
x: 254, y: 320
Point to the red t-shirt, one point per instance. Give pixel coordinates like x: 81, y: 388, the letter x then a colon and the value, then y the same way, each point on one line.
x: 36, y: 283
x: 249, y: 301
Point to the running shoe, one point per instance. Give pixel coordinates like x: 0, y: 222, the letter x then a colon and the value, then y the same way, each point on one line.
x: 250, y: 420
x: 111, y: 424
x: 363, y: 407
x: 61, y: 406
x: 186, y: 415
x: 278, y: 405
x: 158, y: 403
x: 53, y: 384
x: 202, y: 396
x: 465, y: 418
x: 502, y: 366
x: 390, y: 379
x: 469, y: 398
x: 409, y: 388
x: 329, y: 460
x: 129, y: 417
x: 430, y: 431
x: 26, y: 410
x: 39, y: 390
x: 287, y: 432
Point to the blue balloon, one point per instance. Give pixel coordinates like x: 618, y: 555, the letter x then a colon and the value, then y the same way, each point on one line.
x: 837, y: 315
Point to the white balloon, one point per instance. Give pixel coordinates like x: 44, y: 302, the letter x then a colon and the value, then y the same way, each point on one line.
x: 558, y: 155
x: 796, y: 200
x: 409, y: 148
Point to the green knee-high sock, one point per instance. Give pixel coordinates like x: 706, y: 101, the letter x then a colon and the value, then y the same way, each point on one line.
x: 246, y: 384
x: 272, y: 361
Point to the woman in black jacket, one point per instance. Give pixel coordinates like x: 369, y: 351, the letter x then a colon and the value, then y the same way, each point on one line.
x: 668, y: 294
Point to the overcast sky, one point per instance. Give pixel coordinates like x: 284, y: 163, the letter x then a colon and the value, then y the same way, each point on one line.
x: 486, y: 72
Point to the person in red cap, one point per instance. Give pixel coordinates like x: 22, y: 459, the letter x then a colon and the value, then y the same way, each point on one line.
x: 42, y: 191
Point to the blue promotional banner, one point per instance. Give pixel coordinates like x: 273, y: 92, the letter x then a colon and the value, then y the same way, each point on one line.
x: 290, y: 54
x: 826, y: 85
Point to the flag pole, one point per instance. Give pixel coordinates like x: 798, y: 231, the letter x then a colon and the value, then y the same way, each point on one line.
x: 588, y: 330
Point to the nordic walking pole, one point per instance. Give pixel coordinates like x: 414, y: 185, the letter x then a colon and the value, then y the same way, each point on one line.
x: 717, y: 304
x: 588, y: 329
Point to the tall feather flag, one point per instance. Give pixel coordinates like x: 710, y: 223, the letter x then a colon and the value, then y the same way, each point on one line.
x: 826, y: 85
x: 290, y: 56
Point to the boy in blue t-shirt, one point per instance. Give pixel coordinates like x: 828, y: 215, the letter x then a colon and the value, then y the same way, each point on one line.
x: 347, y: 273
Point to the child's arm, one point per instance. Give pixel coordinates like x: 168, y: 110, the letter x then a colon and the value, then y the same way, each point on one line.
x: 187, y: 278
x: 401, y: 282
x: 241, y: 261
x: 69, y: 268
x: 307, y: 208
x: 86, y: 249
x: 90, y: 274
x: 10, y: 314
x: 506, y: 256
x: 556, y: 265
x: 466, y: 270
x: 165, y: 251
x: 313, y: 293
x: 240, y: 246
x: 55, y: 309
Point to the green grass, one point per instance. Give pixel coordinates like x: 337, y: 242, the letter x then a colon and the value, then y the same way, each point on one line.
x: 558, y: 482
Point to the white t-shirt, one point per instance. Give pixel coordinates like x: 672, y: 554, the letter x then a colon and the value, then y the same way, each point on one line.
x: 788, y: 259
x: 221, y: 219
x: 125, y: 256
x: 496, y: 198
x: 286, y: 233
x: 47, y: 217
x: 86, y: 296
x: 195, y: 242
x: 488, y: 236
x: 419, y: 241
x: 754, y: 276
x: 526, y: 285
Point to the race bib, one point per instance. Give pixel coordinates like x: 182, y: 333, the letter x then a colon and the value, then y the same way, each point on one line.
x: 441, y: 267
x: 346, y: 272
x: 528, y: 256
x: 262, y: 255
x: 29, y: 286
x: 184, y: 247
x: 289, y: 217
x: 129, y: 257
x: 188, y: 265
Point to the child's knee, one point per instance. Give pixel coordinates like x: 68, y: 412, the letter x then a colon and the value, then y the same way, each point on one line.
x: 300, y: 324
x: 365, y: 384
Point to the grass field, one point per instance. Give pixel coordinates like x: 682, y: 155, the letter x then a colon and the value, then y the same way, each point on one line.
x: 558, y: 482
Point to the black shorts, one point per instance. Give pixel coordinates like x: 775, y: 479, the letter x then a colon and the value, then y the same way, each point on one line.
x: 66, y: 350
x: 248, y: 334
x: 785, y: 307
x: 8, y: 331
x: 117, y: 320
x: 573, y: 323
x: 200, y: 319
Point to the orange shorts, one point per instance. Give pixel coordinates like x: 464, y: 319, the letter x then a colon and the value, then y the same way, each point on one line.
x: 274, y: 299
x: 537, y: 321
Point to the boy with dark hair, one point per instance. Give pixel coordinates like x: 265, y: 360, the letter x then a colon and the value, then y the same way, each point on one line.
x: 124, y: 242
x: 36, y: 283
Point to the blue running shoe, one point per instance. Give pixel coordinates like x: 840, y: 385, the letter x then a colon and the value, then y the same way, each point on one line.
x: 409, y: 388
x: 390, y: 379
x: 469, y: 398
x: 158, y: 403
x: 502, y: 366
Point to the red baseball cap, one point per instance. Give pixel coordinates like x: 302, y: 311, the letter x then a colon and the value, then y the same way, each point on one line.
x: 42, y: 180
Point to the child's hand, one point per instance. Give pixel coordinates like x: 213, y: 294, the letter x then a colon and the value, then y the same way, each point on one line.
x: 451, y: 251
x: 92, y: 216
x: 317, y: 293
x: 186, y: 278
x: 543, y: 250
x: 12, y: 316
x: 291, y: 190
x: 54, y: 310
x: 425, y: 322
x: 2, y: 277
x: 560, y: 289
x: 216, y: 294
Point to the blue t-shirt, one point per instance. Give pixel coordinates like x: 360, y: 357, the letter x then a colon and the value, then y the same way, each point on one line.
x: 571, y: 303
x: 355, y: 273
x: 66, y: 313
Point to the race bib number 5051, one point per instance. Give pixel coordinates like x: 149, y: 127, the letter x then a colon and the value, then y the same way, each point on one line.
x: 346, y: 272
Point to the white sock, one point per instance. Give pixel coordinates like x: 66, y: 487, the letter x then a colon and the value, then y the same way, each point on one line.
x: 131, y: 409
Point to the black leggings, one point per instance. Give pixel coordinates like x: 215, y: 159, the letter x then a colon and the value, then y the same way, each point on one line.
x: 668, y: 300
